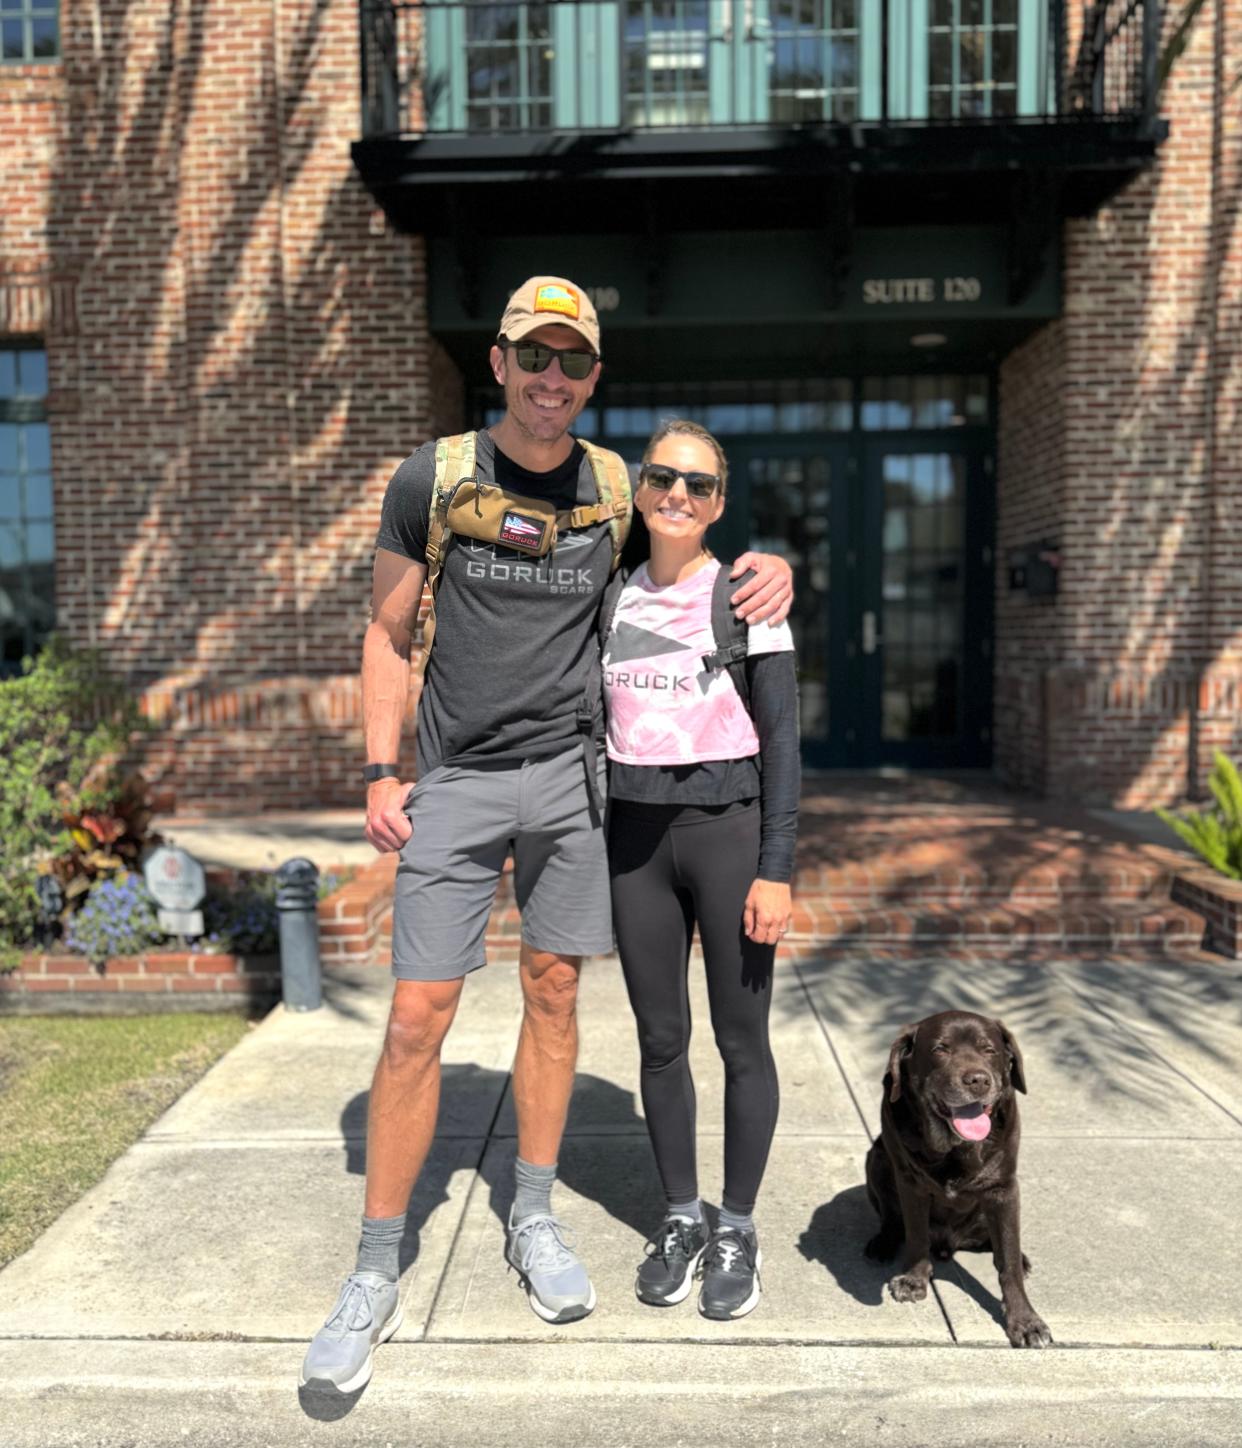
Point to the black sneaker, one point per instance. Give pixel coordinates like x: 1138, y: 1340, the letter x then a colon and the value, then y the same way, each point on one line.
x: 667, y: 1275
x: 730, y: 1273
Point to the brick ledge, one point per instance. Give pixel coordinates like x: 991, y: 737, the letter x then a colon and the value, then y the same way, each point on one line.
x: 349, y: 923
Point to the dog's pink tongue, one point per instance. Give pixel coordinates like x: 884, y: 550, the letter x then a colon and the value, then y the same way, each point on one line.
x: 973, y: 1128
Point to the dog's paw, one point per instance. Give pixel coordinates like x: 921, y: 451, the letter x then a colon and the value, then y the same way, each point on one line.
x: 908, y: 1287
x: 1028, y: 1329
x: 881, y: 1247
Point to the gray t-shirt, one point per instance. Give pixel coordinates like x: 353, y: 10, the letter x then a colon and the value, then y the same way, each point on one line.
x: 516, y: 636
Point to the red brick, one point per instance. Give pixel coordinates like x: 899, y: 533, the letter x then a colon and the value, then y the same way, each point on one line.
x: 168, y: 964
x: 213, y: 965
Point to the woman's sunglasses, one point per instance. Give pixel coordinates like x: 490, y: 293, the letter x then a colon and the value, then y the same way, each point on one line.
x: 698, y: 485
x: 576, y: 363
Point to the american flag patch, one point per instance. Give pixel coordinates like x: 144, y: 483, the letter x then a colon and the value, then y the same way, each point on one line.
x: 520, y: 532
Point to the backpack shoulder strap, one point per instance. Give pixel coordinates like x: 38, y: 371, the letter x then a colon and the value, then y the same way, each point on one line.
x: 612, y: 488
x: 729, y: 633
x: 454, y: 461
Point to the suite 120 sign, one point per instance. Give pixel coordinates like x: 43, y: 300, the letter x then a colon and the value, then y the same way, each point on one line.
x: 894, y: 291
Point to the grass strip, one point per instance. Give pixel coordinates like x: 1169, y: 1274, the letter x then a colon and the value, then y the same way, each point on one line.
x: 76, y: 1092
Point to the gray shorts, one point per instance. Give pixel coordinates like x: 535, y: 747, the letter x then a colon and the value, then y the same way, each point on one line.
x: 467, y: 819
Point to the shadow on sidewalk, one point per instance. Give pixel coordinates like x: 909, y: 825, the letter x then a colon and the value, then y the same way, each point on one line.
x: 835, y: 1237
x: 1061, y: 1010
x: 628, y: 1191
x: 622, y: 1180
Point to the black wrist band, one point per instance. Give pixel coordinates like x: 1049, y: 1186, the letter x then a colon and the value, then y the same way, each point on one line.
x: 372, y: 772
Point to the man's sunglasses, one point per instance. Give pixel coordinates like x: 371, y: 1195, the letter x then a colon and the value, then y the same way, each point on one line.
x: 698, y: 485
x: 576, y: 362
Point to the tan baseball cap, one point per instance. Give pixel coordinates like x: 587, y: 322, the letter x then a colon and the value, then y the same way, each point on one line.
x: 549, y: 301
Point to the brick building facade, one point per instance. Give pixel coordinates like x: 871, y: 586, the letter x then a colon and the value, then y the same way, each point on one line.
x: 239, y: 349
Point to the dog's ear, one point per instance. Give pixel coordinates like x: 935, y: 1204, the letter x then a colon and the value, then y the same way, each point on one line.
x: 1017, y: 1076
x: 898, y: 1052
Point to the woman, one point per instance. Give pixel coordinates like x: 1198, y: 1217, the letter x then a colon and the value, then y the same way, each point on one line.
x: 703, y: 797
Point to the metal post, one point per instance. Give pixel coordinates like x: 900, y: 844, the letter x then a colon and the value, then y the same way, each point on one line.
x: 297, y: 896
x: 1153, y: 19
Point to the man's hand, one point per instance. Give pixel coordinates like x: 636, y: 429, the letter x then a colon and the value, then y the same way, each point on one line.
x: 388, y: 825
x: 765, y: 916
x: 768, y: 597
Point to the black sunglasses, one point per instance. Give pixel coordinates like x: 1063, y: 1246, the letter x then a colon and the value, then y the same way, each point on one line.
x: 576, y: 362
x: 698, y: 485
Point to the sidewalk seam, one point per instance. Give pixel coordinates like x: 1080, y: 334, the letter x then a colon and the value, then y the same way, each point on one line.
x: 488, y: 1138
x: 823, y: 1030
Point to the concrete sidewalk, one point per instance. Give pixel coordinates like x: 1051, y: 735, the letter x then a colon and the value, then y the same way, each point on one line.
x: 174, y: 1302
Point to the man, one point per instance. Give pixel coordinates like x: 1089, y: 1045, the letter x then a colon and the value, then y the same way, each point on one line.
x: 500, y: 765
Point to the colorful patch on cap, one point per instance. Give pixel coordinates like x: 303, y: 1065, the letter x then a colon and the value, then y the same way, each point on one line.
x: 557, y: 299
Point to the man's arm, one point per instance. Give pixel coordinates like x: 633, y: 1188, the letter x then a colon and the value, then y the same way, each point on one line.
x: 396, y: 590
x: 768, y: 597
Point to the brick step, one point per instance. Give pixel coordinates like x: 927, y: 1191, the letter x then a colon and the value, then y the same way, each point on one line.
x: 1102, y: 923
x: 825, y: 923
x: 969, y: 882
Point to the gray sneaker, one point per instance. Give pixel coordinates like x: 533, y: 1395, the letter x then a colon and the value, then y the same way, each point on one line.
x: 556, y: 1283
x: 367, y: 1312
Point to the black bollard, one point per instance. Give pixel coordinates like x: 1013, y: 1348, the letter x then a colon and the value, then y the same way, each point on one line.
x: 297, y: 895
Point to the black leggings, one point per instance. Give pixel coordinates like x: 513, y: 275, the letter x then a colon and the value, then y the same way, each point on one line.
x: 672, y: 867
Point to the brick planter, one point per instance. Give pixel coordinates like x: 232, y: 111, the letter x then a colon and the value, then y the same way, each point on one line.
x: 133, y: 984
x: 349, y: 921
x: 1219, y: 900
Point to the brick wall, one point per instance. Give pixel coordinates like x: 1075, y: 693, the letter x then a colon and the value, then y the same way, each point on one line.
x: 1115, y: 423
x: 239, y: 357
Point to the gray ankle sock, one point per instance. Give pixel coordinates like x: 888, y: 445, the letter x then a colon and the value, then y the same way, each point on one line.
x: 378, y: 1248
x: 735, y: 1221
x: 534, y: 1190
x: 692, y: 1209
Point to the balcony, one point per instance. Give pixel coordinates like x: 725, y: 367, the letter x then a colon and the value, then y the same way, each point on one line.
x: 901, y: 107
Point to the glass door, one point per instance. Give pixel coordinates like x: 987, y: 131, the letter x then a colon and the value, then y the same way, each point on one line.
x: 791, y: 496
x: 923, y: 631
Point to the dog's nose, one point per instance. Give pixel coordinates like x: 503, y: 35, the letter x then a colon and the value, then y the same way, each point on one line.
x: 976, y: 1081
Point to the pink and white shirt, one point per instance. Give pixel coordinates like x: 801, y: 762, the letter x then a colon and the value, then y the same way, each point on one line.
x: 662, y: 706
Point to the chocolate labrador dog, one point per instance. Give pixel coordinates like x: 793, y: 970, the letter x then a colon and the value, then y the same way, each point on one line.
x: 943, y: 1173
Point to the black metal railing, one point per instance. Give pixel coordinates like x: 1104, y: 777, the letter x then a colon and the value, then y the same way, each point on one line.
x: 478, y: 67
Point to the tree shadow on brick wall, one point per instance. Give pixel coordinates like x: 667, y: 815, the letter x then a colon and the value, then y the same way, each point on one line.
x: 232, y: 395
x: 1148, y: 538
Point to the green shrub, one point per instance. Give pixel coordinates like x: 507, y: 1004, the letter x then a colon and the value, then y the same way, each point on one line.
x: 1215, y: 833
x: 64, y: 729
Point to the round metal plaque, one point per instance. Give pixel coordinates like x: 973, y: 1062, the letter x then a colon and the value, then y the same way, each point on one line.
x: 174, y: 878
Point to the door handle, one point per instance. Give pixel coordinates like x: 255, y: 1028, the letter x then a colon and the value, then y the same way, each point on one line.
x: 870, y: 638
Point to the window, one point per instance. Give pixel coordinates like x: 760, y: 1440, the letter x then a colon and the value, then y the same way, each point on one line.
x: 897, y: 404
x: 27, y: 607
x: 814, y: 68
x: 973, y: 58
x: 29, y: 31
x: 493, y: 67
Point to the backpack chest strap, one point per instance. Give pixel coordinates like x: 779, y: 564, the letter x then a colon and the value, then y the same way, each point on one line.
x: 589, y: 514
